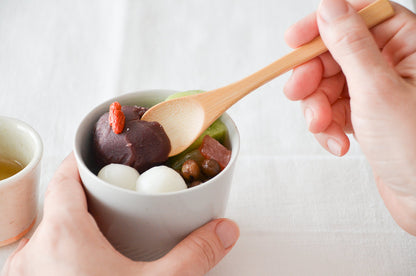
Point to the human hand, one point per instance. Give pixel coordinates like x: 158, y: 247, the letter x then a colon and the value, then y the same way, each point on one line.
x: 68, y: 241
x: 366, y: 85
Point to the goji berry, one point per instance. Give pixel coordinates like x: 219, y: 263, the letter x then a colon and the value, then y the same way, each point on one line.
x: 116, y: 118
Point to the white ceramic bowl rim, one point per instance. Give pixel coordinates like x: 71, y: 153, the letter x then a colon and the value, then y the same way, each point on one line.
x: 37, y: 154
x: 78, y: 156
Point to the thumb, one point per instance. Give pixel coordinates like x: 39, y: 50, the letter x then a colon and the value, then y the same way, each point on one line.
x: 65, y: 190
x: 202, y: 249
x: 348, y: 39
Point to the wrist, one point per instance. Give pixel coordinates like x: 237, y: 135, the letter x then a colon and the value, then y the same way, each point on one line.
x: 401, y: 205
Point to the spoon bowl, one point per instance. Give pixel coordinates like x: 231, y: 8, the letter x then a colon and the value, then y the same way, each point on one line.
x: 184, y: 119
x: 175, y: 120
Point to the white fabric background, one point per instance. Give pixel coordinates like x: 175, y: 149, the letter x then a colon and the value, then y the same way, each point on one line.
x: 300, y: 210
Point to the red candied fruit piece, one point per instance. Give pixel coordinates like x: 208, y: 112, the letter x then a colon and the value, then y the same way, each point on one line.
x: 212, y: 149
x: 118, y: 122
x: 116, y: 118
x: 115, y: 106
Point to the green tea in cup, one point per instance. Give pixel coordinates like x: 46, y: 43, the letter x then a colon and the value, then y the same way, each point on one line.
x: 9, y: 168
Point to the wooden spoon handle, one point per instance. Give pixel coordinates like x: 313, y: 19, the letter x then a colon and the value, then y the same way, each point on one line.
x: 373, y: 14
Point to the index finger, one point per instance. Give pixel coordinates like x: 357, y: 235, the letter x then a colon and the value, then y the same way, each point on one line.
x: 302, y: 31
x: 306, y: 29
x: 65, y: 192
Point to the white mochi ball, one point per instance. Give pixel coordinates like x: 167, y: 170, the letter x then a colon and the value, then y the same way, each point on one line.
x: 160, y: 179
x: 119, y: 175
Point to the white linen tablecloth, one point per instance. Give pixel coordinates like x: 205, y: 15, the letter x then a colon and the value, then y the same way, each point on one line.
x: 300, y: 210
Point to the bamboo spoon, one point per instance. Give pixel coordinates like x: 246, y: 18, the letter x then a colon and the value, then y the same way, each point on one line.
x: 184, y: 119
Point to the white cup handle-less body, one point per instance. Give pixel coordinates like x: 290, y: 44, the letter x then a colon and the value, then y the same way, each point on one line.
x: 144, y: 226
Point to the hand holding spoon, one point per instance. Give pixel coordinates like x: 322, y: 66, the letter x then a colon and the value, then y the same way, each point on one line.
x: 184, y: 119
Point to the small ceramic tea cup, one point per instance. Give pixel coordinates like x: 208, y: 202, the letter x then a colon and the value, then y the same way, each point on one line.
x: 19, y: 143
x: 146, y: 226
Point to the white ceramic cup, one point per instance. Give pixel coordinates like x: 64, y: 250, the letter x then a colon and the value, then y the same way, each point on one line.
x: 18, y: 193
x: 142, y: 226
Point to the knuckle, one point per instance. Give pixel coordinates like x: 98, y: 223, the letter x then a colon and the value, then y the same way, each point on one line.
x: 353, y: 41
x: 51, y: 233
x: 341, y: 112
x: 206, y: 251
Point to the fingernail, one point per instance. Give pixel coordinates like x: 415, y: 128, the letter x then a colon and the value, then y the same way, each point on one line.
x: 227, y: 231
x: 308, y: 116
x: 334, y: 147
x: 330, y: 10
